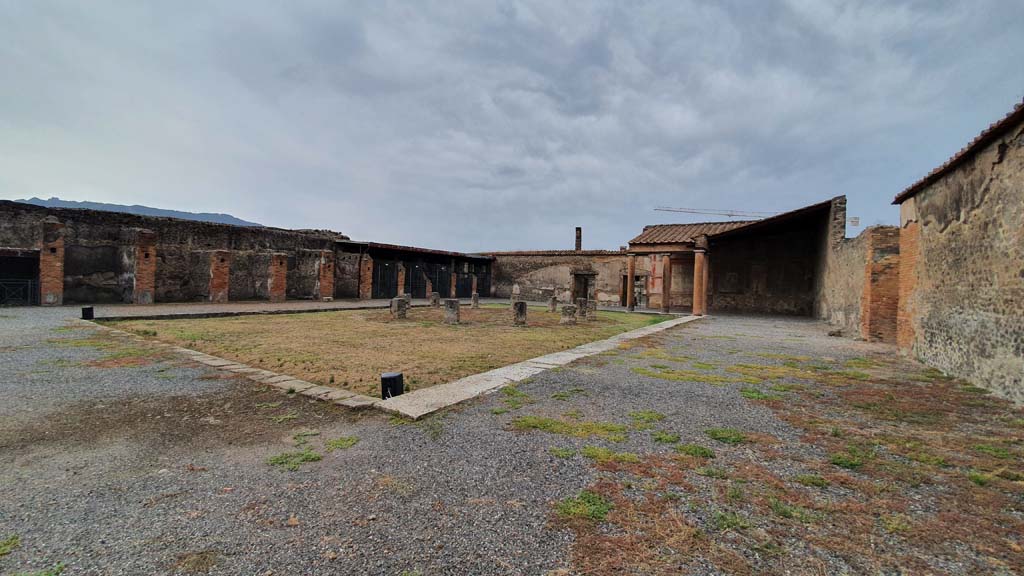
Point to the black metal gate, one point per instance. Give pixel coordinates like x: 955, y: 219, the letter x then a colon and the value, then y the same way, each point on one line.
x: 483, y: 285
x: 19, y: 292
x: 415, y: 280
x: 385, y: 279
x: 440, y: 279
x: 463, y: 285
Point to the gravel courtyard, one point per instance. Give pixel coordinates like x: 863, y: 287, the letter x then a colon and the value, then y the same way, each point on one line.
x: 728, y: 445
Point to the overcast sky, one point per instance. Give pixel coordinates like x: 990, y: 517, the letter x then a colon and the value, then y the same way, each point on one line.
x: 479, y: 125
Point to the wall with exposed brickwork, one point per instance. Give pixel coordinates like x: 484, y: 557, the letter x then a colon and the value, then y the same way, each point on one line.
x: 545, y: 273
x: 963, y: 310
x: 880, y: 297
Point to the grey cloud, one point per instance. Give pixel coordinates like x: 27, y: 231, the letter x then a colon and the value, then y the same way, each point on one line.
x: 475, y: 125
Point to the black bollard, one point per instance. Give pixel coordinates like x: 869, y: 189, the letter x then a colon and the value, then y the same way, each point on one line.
x: 87, y: 313
x: 391, y: 385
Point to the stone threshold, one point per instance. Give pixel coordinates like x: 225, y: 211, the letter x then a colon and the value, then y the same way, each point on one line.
x: 418, y: 403
x: 233, y: 313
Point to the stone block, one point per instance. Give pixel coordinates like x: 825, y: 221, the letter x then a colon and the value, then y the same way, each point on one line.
x: 474, y: 300
x: 451, y: 311
x: 519, y: 313
x: 568, y: 315
x: 591, y: 310
x: 435, y: 299
x: 553, y: 304
x: 399, y: 308
x: 581, y: 308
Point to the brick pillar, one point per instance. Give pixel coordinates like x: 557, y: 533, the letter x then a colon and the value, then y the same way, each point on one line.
x: 220, y: 276
x: 666, y: 283
x: 401, y: 278
x: 325, y: 282
x: 145, y: 267
x: 51, y: 263
x: 366, y: 277
x: 277, y: 281
x: 699, y: 279
x: 430, y: 286
x: 630, y: 284
x: 454, y: 284
x: 474, y: 284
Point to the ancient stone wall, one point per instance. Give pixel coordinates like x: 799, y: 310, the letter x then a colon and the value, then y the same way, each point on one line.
x: 543, y: 274
x: 101, y: 256
x: 880, y: 299
x: 346, y: 275
x: 963, y: 310
x: 841, y: 288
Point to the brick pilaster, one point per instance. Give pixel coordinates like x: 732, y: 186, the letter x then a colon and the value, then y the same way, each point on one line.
x: 145, y: 267
x: 51, y: 263
x: 910, y: 236
x: 880, y: 298
x: 699, y: 283
x: 666, y: 283
x: 366, y: 277
x: 325, y: 282
x: 401, y: 278
x: 220, y: 275
x: 277, y: 282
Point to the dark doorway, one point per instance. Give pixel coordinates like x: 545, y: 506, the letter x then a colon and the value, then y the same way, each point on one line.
x: 385, y: 279
x: 19, y: 279
x: 463, y: 285
x: 441, y: 279
x: 415, y: 280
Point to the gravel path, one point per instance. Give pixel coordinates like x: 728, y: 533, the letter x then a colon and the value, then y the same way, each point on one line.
x: 160, y: 466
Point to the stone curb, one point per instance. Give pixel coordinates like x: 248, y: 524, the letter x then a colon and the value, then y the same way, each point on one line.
x: 420, y: 403
x: 336, y: 396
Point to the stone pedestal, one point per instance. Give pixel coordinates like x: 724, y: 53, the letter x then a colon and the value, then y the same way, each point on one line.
x: 519, y: 313
x: 408, y: 298
x: 435, y: 299
x: 581, y: 308
x: 515, y: 293
x: 568, y: 315
x: 451, y: 311
x: 474, y: 300
x: 553, y: 304
x: 399, y: 308
x: 591, y: 310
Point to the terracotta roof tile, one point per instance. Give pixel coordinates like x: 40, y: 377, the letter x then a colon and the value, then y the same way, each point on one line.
x: 980, y: 141
x: 684, y: 233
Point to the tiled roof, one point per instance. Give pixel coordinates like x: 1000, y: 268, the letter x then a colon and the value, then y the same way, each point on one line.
x: 984, y: 139
x: 684, y: 233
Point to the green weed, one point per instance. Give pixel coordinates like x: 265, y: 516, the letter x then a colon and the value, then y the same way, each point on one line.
x: 586, y: 505
x: 726, y: 435
x: 578, y: 429
x: 695, y: 450
x: 294, y: 460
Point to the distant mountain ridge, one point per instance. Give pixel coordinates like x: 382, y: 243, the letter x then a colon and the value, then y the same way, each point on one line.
x: 55, y: 202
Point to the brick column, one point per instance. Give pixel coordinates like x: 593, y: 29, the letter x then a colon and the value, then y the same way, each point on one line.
x: 325, y: 281
x: 365, y: 277
x: 145, y: 267
x: 630, y: 284
x: 51, y: 263
x: 474, y: 284
x: 401, y: 278
x: 699, y: 282
x: 454, y: 283
x: 666, y: 283
x: 277, y: 281
x: 220, y: 276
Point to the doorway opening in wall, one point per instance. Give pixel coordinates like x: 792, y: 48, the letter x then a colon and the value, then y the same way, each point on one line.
x: 416, y: 279
x: 583, y: 284
x: 639, y: 291
x: 19, y: 278
x: 385, y: 279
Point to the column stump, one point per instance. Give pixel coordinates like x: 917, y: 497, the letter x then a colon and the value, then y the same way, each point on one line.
x: 568, y: 315
x: 451, y: 311
x: 399, y: 308
x: 519, y: 313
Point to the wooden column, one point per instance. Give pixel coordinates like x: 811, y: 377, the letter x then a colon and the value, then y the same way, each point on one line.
x: 699, y: 282
x: 630, y: 287
x: 666, y: 283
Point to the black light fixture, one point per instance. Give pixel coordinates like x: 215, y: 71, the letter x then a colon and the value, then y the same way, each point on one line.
x: 391, y: 384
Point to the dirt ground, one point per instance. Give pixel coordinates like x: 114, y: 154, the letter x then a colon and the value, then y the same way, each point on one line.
x: 350, y: 349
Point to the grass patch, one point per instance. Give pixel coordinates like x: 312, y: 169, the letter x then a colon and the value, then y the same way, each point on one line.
x: 663, y: 437
x: 853, y: 458
x: 711, y: 472
x: 726, y: 435
x: 577, y: 428
x: 356, y: 346
x: 789, y: 511
x: 725, y: 521
x: 756, y: 394
x: 695, y: 450
x: 341, y: 443
x: 587, y: 505
x: 499, y: 411
x: 645, y: 419
x: 55, y: 570
x: 302, y: 438
x: 704, y: 365
x: 604, y: 455
x: 292, y: 461
x: 9, y: 544
x: 197, y: 561
x: 563, y: 453
x: 895, y: 523
x: 515, y: 398
x: 993, y: 451
x: 568, y: 394
x: 282, y: 418
x: 979, y: 478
